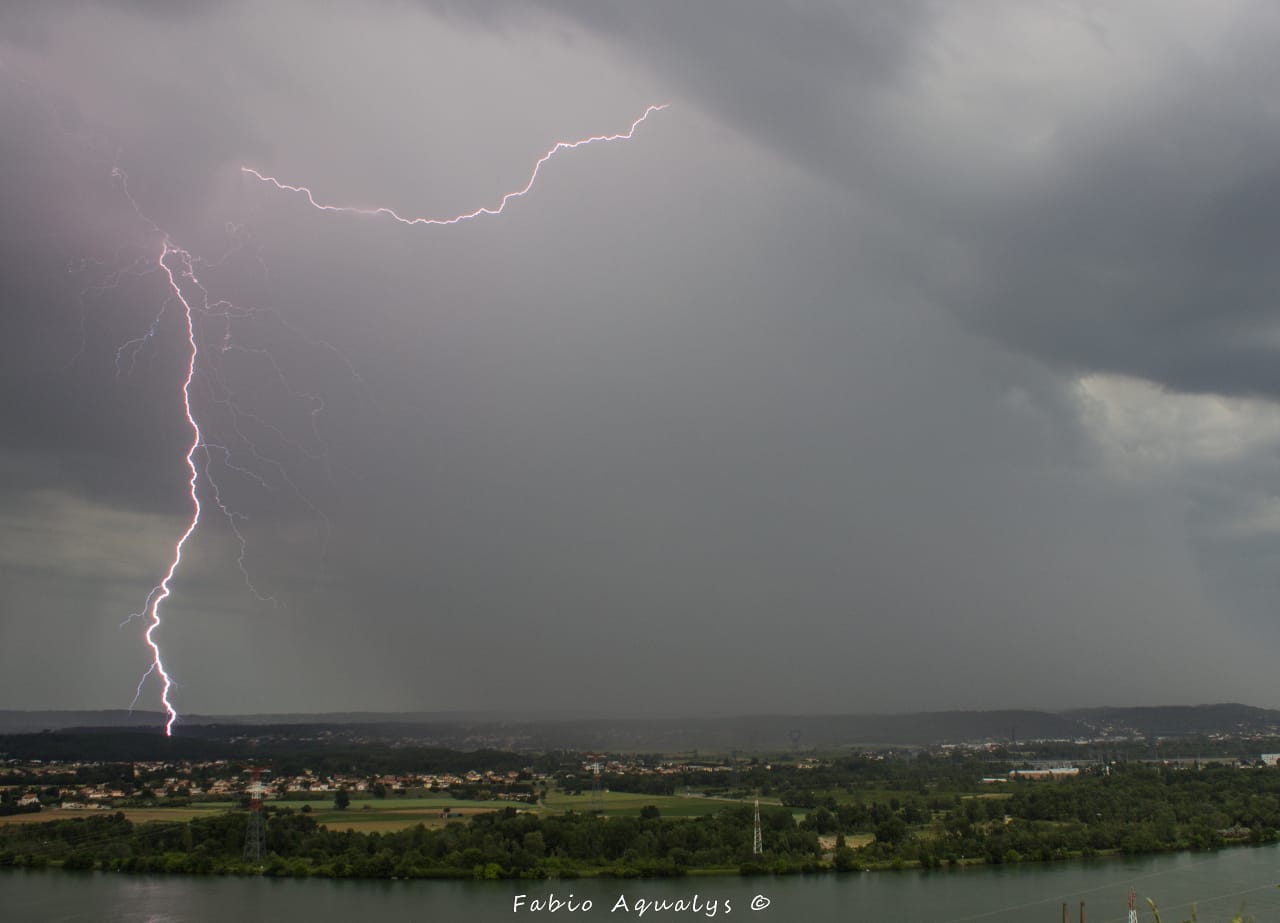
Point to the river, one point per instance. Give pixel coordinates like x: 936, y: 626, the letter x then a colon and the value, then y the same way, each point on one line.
x: 1221, y: 882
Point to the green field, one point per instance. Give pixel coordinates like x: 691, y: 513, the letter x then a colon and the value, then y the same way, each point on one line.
x: 395, y: 813
x: 137, y: 815
x: 369, y: 814
x: 383, y: 814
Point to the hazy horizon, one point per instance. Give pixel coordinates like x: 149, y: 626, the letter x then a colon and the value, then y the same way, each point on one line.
x: 525, y: 715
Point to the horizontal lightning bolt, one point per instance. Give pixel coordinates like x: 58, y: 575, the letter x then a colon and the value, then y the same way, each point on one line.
x: 495, y: 210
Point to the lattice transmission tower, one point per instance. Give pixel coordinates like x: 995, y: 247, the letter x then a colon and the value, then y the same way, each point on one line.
x: 255, y: 834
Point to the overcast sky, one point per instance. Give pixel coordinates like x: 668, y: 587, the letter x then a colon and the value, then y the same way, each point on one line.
x: 919, y: 356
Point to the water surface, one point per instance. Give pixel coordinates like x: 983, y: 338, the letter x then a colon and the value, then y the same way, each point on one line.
x: 1220, y: 882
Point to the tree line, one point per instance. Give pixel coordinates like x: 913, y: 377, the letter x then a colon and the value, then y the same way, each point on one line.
x: 503, y: 844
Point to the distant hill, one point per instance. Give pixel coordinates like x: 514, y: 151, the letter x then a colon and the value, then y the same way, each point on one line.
x: 27, y: 722
x: 1179, y: 720
x: 33, y: 722
x: 757, y: 733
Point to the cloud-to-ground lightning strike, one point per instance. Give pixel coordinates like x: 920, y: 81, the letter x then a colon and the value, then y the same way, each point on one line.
x: 172, y: 256
x: 161, y: 592
x: 484, y: 210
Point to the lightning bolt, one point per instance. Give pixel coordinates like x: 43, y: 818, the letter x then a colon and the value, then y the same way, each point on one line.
x: 179, y: 269
x: 161, y: 591
x: 483, y: 210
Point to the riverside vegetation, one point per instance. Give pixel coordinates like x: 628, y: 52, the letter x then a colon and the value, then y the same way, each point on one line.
x: 919, y: 812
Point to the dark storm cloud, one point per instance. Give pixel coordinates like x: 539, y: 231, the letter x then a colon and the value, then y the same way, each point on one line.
x: 1137, y: 236
x: 804, y: 78
x: 1152, y: 251
x: 802, y: 400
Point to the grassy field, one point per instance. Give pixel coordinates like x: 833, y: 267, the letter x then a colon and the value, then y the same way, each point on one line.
x: 390, y: 818
x: 386, y: 814
x: 397, y: 813
x: 136, y: 815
